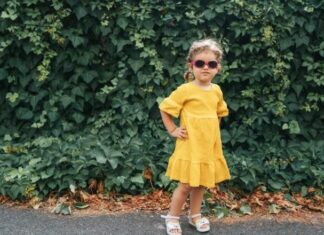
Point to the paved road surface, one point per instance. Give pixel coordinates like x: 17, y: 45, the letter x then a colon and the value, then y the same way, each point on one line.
x: 24, y: 221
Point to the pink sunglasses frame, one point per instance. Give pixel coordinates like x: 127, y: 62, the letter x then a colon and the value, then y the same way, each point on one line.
x: 205, y: 63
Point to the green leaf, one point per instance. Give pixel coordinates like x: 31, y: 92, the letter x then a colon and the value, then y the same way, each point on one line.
x: 164, y: 180
x: 53, y: 116
x: 304, y: 191
x: 234, y: 105
x: 226, y: 137
x: 286, y: 43
x: 78, y: 117
x: 302, y: 39
x: 105, y: 149
x: 159, y: 99
x: 34, y: 161
x: 3, y: 74
x: 24, y: 81
x: 14, y: 191
x: 246, y: 209
x: 209, y: 14
x: 52, y: 185
x: 100, y: 158
x: 120, y: 180
x: 136, y: 64
x: 113, y: 162
x: 76, y: 40
x: 88, y: 76
x: 44, y: 175
x: 285, y: 126
x: 297, y: 88
x: 310, y: 27
x: 62, y: 208
x: 101, y: 97
x: 72, y: 2
x: 7, y: 138
x: 288, y: 197
x: 78, y: 91
x: 72, y: 188
x: 121, y: 44
x: 24, y: 114
x: 9, y: 14
x: 34, y: 179
x: 275, y: 185
x: 273, y: 209
x: 221, y: 212
x: 122, y: 22
x: 80, y: 12
x: 66, y: 100
x: 34, y: 99
x: 116, y: 154
x: 81, y: 205
x: 294, y: 127
x: 137, y: 179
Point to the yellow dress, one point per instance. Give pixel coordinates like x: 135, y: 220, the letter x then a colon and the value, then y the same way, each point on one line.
x: 197, y: 160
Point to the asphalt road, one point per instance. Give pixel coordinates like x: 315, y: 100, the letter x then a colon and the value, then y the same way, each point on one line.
x: 25, y: 221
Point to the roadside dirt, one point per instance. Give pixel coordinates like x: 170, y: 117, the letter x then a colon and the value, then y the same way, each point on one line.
x: 307, y: 210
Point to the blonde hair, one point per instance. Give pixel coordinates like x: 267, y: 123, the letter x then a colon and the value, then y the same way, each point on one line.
x: 202, y: 45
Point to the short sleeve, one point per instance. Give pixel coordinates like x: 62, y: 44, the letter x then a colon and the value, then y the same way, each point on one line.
x: 222, y: 110
x: 174, y: 103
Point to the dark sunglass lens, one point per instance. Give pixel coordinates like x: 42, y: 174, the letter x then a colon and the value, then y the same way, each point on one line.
x: 212, y: 64
x: 199, y: 63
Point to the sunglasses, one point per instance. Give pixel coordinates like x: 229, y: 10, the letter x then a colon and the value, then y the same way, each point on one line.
x: 201, y: 64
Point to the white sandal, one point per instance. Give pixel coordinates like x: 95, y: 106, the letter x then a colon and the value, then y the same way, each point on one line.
x: 172, y: 227
x: 200, y: 224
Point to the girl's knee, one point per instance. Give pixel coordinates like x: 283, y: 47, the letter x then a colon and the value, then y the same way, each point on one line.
x: 199, y: 189
x: 185, y: 188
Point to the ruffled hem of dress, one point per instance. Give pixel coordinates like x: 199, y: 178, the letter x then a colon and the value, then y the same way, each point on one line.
x: 198, y: 173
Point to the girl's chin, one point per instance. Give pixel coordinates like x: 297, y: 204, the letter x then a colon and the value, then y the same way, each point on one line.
x: 205, y: 79
x: 205, y: 76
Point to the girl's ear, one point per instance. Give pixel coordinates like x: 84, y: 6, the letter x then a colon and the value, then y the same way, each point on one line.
x: 189, y: 66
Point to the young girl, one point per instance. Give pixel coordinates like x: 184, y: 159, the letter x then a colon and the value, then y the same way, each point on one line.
x: 197, y: 161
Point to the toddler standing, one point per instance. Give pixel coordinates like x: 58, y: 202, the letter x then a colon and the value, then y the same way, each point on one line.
x: 197, y: 161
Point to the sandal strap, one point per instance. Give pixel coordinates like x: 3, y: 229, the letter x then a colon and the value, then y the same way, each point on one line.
x: 195, y: 215
x: 169, y: 217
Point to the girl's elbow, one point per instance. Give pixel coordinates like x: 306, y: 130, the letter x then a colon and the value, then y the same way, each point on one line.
x: 164, y: 113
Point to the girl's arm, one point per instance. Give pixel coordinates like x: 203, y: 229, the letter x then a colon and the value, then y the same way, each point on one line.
x: 173, y: 130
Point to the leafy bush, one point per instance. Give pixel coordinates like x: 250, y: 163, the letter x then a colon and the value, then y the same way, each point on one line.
x: 80, y: 80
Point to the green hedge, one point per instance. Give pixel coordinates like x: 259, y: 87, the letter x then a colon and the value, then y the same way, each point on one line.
x: 80, y: 81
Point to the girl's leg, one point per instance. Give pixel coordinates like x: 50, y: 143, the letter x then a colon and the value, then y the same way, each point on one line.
x: 179, y: 197
x: 196, y: 197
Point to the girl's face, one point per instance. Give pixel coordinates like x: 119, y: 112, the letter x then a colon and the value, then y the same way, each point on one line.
x: 204, y: 66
